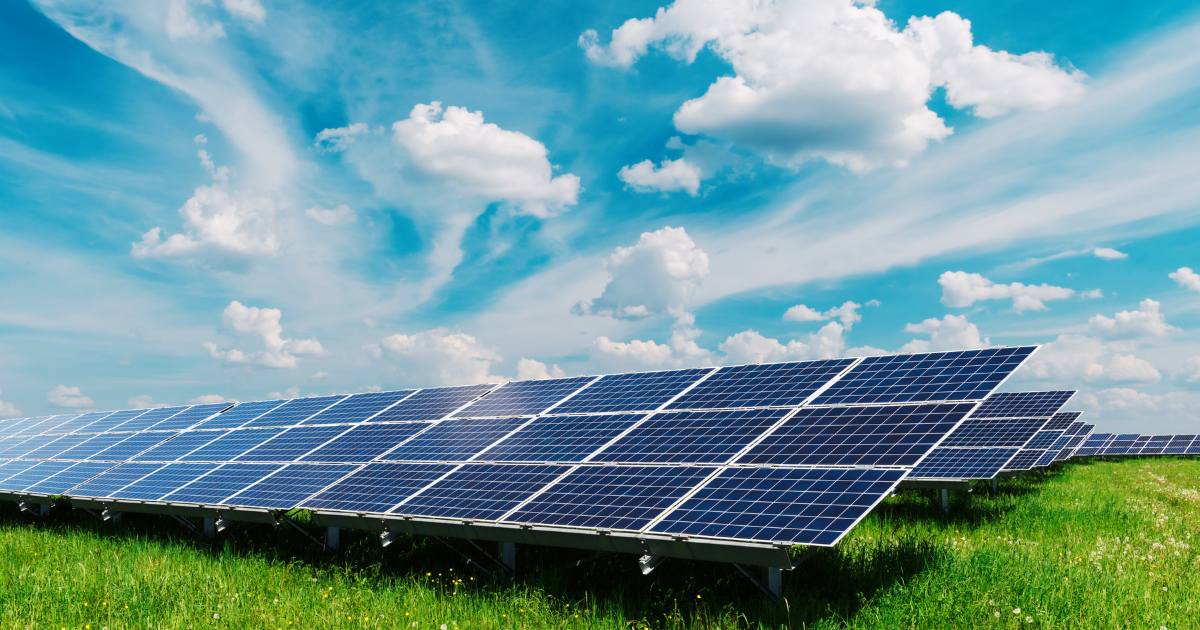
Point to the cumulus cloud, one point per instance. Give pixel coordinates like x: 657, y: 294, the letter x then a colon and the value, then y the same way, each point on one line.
x: 144, y: 401
x: 261, y: 326
x: 847, y: 313
x: 952, y: 332
x: 659, y: 274
x: 340, y: 215
x: 1190, y: 372
x: 680, y: 350
x: 337, y: 139
x: 291, y: 392
x: 1082, y: 358
x: 835, y: 79
x: 481, y: 159
x: 1108, y: 253
x: 439, y: 356
x: 530, y: 370
x: 7, y: 410
x: 245, y: 9
x: 960, y: 288
x: 670, y: 176
x: 751, y: 347
x: 69, y: 397
x: 1144, y: 322
x: 1093, y: 294
x: 1186, y: 278
x: 209, y: 399
x: 1128, y: 400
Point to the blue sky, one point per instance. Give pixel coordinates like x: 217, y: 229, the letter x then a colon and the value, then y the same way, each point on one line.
x: 241, y: 199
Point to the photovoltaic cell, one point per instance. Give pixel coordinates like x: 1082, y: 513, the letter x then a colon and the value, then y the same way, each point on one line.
x: 696, y: 437
x: 178, y: 446
x: 293, y: 412
x: 1139, y: 444
x: 21, y: 426
x: 966, y: 375
x: 761, y: 385
x: 1044, y: 439
x: 1194, y: 449
x: 358, y: 408
x: 366, y: 442
x: 292, y: 444
x: 94, y: 444
x: 1062, y: 420
x: 163, y: 481
x: 239, y: 415
x: 56, y: 446
x: 33, y: 475
x: 963, y: 463
x: 114, y: 420
x: 222, y: 483
x: 47, y: 425
x: 69, y: 478
x: 805, y: 506
x: 611, y: 497
x: 1046, y: 459
x: 108, y: 483
x: 640, y: 391
x: 27, y: 445
x: 481, y: 491
x: 1022, y: 404
x: 975, y: 431
x: 432, y: 404
x: 376, y: 487
x: 77, y: 424
x: 1025, y: 459
x: 148, y: 419
x: 1156, y: 444
x: 857, y: 436
x: 1179, y: 444
x: 133, y: 444
x: 12, y: 467
x: 189, y: 417
x: 523, y: 398
x: 228, y: 447
x: 288, y: 487
x: 560, y: 438
x: 1099, y: 439
x: 454, y: 440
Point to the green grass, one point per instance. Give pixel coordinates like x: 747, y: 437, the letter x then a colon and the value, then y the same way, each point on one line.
x: 1089, y: 545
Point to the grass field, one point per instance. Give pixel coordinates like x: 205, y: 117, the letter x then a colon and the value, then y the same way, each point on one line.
x: 1101, y: 544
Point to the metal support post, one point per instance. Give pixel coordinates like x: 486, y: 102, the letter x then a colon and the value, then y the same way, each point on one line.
x: 757, y: 582
x: 508, y: 555
x: 491, y: 558
x: 387, y: 538
x: 945, y: 500
x: 995, y: 482
x: 210, y: 527
x: 332, y: 538
x: 110, y: 516
x: 772, y: 578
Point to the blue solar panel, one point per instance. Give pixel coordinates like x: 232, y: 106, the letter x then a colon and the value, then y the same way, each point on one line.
x: 69, y: 478
x: 190, y: 417
x: 1099, y: 439
x: 963, y: 463
x: 358, y: 408
x: 94, y: 444
x: 34, y: 474
x: 454, y: 440
x: 178, y: 446
x: 27, y: 445
x: 222, y: 483
x: 228, y: 447
x: 976, y: 431
x: 12, y: 467
x: 133, y: 444
x: 432, y: 404
x: 1139, y: 444
x: 288, y: 487
x: 78, y: 423
x: 293, y: 412
x: 638, y: 391
x: 114, y: 420
x: 148, y: 419
x: 377, y: 487
x: 241, y: 414
x: 366, y: 442
x: 1025, y: 459
x: 806, y: 506
x: 762, y: 385
x: 1043, y: 439
x: 560, y: 438
x: 1194, y: 449
x: 292, y: 444
x: 966, y: 375
x: 481, y: 491
x: 56, y: 446
x: 165, y: 480
x: 1045, y: 459
x: 611, y: 497
x: 1179, y: 444
x: 522, y: 398
x: 695, y: 437
x: 107, y: 484
x: 48, y: 424
x: 1156, y: 444
x: 1022, y: 404
x: 23, y: 426
x: 1062, y: 420
x: 857, y: 436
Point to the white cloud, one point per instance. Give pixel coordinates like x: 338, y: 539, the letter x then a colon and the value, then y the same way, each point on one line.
x: 291, y: 392
x: 262, y: 326
x: 70, y: 397
x: 208, y: 399
x: 319, y: 375
x: 1190, y: 371
x: 439, y: 356
x: 144, y: 401
x: 834, y: 79
x: 1144, y: 322
x: 530, y: 370
x: 1079, y: 358
x: 340, y: 215
x: 339, y: 139
x: 481, y: 159
x: 680, y: 350
x: 802, y: 313
x: 659, y: 274
x: 245, y: 9
x: 7, y: 410
x: 182, y: 23
x: 960, y: 288
x: 1108, y: 253
x: 1186, y: 278
x: 1093, y: 294
x: 874, y: 303
x: 952, y: 332
x: 847, y: 313
x: 670, y: 176
x: 1130, y: 401
x: 751, y: 347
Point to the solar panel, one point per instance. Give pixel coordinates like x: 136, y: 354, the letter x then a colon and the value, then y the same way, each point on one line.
x: 92, y: 445
x: 46, y: 423
x: 454, y: 440
x: 966, y: 375
x: 293, y: 412
x: 805, y: 506
x: 376, y: 487
x: 55, y: 446
x: 611, y: 497
x: 522, y: 398
x: 761, y: 385
x: 1046, y: 458
x: 857, y: 436
x: 163, y: 481
x: 432, y: 404
x: 178, y: 446
x: 560, y: 438
x: 1156, y: 444
x: 133, y: 444
x: 1194, y: 449
x: 239, y: 415
x: 1179, y: 444
x: 1062, y: 420
x: 148, y: 419
x: 366, y: 442
x: 1022, y: 404
x: 114, y: 420
x: 33, y: 475
x: 1043, y: 439
x: 80, y: 422
x: 481, y: 491
x: 637, y: 391
x: 69, y: 478
x: 358, y: 408
x: 222, y: 483
x: 1139, y: 444
x: 1024, y: 460
x: 963, y: 463
x: 190, y: 416
x: 695, y: 437
x: 291, y: 485
x: 27, y: 445
x: 990, y: 431
x: 108, y: 483
x: 229, y: 446
x: 12, y: 467
x: 291, y: 444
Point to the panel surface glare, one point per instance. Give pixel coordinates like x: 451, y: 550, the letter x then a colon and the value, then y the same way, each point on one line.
x: 222, y: 483
x: 190, y: 417
x: 366, y: 442
x: 114, y: 420
x: 178, y: 446
x: 857, y: 436
x: 976, y: 431
x: 148, y: 420
x: 293, y: 412
x: 108, y: 483
x: 560, y: 438
x: 69, y: 478
x: 481, y: 491
x: 358, y: 407
x: 611, y: 497
x: 241, y: 414
x: 1022, y: 404
x: 805, y: 506
x: 288, y: 487
x: 966, y: 375
x: 522, y: 398
x: 56, y: 445
x: 432, y: 404
x: 133, y: 444
x: 696, y: 437
x: 638, y: 391
x: 761, y: 385
x: 13, y: 467
x: 164, y: 481
x: 454, y: 440
x: 228, y: 447
x: 292, y: 444
x: 377, y: 487
x: 77, y: 424
x: 963, y: 463
x: 92, y: 445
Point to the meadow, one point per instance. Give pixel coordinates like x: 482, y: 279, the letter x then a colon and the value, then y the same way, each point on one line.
x: 1093, y: 544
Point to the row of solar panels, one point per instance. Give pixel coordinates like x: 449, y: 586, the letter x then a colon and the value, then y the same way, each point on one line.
x: 1136, y: 444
